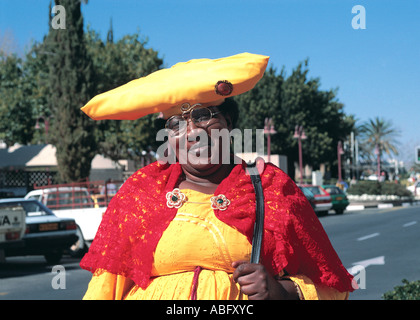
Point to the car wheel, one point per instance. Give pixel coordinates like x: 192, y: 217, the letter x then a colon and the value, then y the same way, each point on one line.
x: 322, y: 213
x: 79, y: 247
x: 339, y: 211
x: 53, y: 257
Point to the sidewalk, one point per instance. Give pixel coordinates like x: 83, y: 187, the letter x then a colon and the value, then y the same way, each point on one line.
x: 361, y: 205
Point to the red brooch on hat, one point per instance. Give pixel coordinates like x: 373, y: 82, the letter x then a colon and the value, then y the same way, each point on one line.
x: 223, y: 87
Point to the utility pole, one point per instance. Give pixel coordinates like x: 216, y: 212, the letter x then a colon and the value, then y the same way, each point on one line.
x: 339, y: 153
x: 300, y: 135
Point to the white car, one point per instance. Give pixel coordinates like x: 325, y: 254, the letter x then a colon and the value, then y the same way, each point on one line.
x: 415, y: 188
x: 12, y: 226
x: 63, y: 197
x: 45, y: 234
x: 76, y: 203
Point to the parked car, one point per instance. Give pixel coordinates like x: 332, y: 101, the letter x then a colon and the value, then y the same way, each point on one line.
x: 339, y: 198
x: 323, y: 201
x: 63, y: 197
x: 415, y: 188
x: 12, y: 227
x: 75, y: 202
x: 309, y: 196
x: 45, y: 233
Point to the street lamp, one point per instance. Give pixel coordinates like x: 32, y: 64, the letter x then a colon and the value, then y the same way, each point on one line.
x: 300, y: 135
x: 340, y: 151
x: 269, y: 130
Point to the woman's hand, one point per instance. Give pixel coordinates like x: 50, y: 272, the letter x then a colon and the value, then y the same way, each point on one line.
x: 258, y: 284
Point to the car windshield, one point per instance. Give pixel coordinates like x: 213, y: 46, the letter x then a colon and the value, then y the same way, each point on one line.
x: 307, y: 192
x: 316, y: 190
x: 334, y: 190
x: 33, y: 208
x: 34, y: 197
x: 69, y: 199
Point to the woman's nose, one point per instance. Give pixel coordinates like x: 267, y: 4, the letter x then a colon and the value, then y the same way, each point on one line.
x: 194, y: 132
x: 191, y: 126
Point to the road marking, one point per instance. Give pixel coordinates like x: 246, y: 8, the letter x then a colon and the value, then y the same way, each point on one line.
x: 368, y: 236
x: 369, y: 262
x: 409, y: 224
x: 359, y: 271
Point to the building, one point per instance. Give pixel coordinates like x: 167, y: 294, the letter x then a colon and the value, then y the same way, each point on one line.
x: 21, y: 167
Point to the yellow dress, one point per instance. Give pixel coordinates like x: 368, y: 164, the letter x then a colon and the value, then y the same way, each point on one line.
x: 194, y: 238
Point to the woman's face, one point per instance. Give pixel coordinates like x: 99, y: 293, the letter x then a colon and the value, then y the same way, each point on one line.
x: 202, y: 149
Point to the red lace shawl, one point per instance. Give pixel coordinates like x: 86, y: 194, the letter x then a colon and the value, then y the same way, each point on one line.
x: 294, y: 239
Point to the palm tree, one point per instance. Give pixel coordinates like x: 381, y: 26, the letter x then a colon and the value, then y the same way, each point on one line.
x: 378, y: 135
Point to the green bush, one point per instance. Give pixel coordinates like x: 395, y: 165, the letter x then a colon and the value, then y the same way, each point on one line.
x: 379, y: 188
x: 391, y: 188
x: 365, y: 187
x: 408, y: 291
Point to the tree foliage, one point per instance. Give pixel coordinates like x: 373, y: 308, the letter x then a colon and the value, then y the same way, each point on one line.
x: 23, y: 97
x: 58, y: 76
x: 297, y: 100
x: 15, y: 104
x: 379, y: 132
x: 115, y: 64
x: 71, y: 84
x: 410, y: 290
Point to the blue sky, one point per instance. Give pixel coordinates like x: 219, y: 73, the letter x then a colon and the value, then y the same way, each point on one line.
x: 375, y: 69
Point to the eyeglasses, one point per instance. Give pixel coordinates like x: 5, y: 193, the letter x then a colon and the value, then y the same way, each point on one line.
x: 201, y: 117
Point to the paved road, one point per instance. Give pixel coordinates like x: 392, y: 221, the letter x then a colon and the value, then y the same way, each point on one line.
x: 384, y: 241
x: 30, y: 278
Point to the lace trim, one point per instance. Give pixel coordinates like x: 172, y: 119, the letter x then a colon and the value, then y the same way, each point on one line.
x: 137, y: 216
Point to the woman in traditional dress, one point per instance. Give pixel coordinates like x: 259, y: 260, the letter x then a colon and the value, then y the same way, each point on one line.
x: 183, y: 229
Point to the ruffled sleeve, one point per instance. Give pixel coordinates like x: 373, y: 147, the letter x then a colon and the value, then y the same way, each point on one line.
x: 301, y: 244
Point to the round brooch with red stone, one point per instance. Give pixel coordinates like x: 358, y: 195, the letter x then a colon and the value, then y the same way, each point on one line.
x: 223, y: 87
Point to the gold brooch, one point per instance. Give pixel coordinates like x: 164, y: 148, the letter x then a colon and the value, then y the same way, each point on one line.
x: 175, y: 199
x: 220, y: 202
